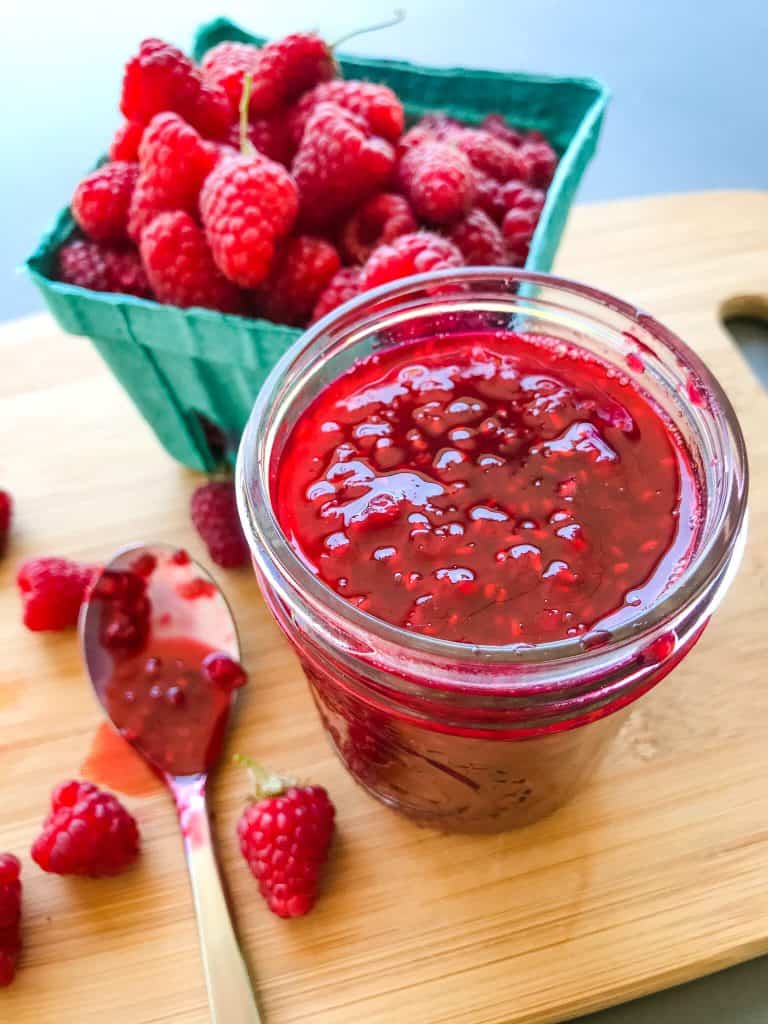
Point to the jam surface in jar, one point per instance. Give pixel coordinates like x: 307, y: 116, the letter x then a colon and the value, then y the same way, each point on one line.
x: 493, y: 488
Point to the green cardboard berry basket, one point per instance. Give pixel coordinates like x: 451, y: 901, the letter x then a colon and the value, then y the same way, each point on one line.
x: 179, y: 365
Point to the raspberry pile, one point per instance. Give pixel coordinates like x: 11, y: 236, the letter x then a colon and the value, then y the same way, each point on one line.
x: 261, y: 183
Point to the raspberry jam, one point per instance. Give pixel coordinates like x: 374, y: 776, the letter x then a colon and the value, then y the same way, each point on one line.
x: 163, y: 701
x: 160, y: 644
x: 486, y: 543
x: 493, y: 489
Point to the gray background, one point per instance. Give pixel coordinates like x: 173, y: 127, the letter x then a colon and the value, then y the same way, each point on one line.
x: 689, y: 107
x: 689, y: 111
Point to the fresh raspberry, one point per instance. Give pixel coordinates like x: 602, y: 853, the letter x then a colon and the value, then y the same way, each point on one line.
x: 101, y: 200
x: 88, y: 832
x: 521, y: 197
x: 437, y: 178
x: 103, y: 268
x: 490, y: 154
x: 212, y: 113
x: 284, y: 836
x: 287, y: 68
x: 496, y: 125
x: 416, y: 253
x: 540, y: 161
x: 247, y: 203
x: 226, y: 64
x: 378, y: 105
x: 174, y: 162
x: 338, y: 165
x: 161, y: 78
x: 439, y: 124
x: 6, y: 510
x: 489, y: 196
x: 180, y: 265
x: 300, y: 272
x: 125, y: 142
x: 343, y: 286
x: 414, y: 137
x: 269, y: 135
x: 381, y: 219
x: 52, y: 590
x: 479, y: 239
x: 10, y: 917
x: 517, y: 228
x: 213, y: 510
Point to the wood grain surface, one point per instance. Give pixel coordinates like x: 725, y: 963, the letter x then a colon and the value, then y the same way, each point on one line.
x: 657, y: 873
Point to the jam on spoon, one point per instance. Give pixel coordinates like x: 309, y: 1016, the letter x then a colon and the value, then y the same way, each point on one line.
x: 162, y: 652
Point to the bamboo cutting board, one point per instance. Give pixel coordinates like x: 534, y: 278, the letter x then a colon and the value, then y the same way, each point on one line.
x: 656, y: 874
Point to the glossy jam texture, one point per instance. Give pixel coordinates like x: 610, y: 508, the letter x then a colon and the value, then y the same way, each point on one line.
x: 162, y: 699
x: 495, y: 488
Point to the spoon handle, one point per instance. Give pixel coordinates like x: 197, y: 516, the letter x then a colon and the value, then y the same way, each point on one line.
x: 230, y: 994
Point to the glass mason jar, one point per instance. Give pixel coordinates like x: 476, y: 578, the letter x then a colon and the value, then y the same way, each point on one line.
x: 471, y: 737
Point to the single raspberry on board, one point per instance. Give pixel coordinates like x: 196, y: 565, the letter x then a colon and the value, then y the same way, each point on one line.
x: 288, y: 67
x: 284, y: 836
x: 491, y: 154
x: 227, y: 63
x: 338, y: 165
x: 161, y: 78
x: 213, y: 510
x: 269, y: 135
x: 180, y: 265
x: 125, y: 142
x: 10, y: 917
x: 6, y: 511
x: 438, y: 181
x: 380, y: 219
x: 174, y: 161
x: 479, y: 239
x: 101, y: 200
x: 52, y: 590
x: 343, y: 286
x: 88, y: 832
x: 378, y: 105
x: 103, y: 268
x: 300, y: 272
x: 248, y: 203
x: 417, y: 253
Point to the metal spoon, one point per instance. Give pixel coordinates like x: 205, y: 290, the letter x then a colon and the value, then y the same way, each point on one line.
x: 207, y: 619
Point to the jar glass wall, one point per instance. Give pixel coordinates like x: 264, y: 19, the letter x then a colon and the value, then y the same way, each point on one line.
x: 469, y: 736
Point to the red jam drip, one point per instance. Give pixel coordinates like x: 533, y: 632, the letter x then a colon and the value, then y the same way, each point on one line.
x: 493, y: 489
x: 163, y: 701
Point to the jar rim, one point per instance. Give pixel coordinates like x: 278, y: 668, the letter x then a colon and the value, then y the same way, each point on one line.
x: 709, y: 560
